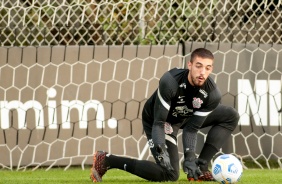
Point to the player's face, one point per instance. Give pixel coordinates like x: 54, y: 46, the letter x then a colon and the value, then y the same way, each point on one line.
x: 199, y: 70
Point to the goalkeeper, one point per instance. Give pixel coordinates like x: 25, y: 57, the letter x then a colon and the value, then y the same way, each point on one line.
x: 186, y: 99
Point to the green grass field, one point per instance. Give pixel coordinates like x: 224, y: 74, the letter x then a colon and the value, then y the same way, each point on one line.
x: 79, y: 176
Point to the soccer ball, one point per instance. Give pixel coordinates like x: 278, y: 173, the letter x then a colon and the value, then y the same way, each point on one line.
x: 227, y: 169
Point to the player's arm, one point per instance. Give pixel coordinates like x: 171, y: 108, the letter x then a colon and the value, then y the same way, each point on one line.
x: 189, y: 135
x: 161, y: 109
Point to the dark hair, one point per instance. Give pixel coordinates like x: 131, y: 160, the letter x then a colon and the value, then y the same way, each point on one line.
x: 202, y: 53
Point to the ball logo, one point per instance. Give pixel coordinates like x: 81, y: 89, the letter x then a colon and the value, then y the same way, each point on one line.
x: 217, y: 169
x: 224, y: 156
x: 232, y: 168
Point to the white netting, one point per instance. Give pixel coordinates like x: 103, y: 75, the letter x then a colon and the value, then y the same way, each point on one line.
x: 60, y: 104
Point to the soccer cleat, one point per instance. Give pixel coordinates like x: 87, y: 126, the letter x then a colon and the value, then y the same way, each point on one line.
x: 207, y: 176
x: 191, y: 179
x: 99, y: 167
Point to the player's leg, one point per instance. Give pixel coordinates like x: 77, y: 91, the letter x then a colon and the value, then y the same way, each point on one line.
x: 158, y: 173
x: 145, y: 169
x: 223, y: 120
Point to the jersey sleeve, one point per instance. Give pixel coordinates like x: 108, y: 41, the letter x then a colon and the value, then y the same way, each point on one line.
x: 166, y: 91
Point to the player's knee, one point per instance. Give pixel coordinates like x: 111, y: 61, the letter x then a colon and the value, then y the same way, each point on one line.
x: 172, y: 175
x: 233, y: 116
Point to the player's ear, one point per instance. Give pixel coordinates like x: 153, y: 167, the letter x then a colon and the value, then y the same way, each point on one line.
x: 189, y: 65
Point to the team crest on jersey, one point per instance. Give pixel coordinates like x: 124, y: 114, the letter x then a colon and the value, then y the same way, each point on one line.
x: 197, y: 102
x: 167, y: 128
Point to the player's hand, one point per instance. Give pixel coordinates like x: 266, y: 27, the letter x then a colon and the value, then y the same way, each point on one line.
x: 200, y: 161
x: 163, y: 157
x: 190, y: 165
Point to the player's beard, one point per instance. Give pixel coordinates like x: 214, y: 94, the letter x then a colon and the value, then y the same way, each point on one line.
x: 197, y: 82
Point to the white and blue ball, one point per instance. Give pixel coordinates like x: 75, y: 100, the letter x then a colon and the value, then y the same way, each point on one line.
x: 227, y: 169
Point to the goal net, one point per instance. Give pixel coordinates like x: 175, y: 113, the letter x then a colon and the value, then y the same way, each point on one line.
x: 75, y: 74
x: 62, y: 103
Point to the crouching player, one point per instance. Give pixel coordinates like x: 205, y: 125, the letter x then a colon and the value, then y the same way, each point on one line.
x: 186, y: 99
